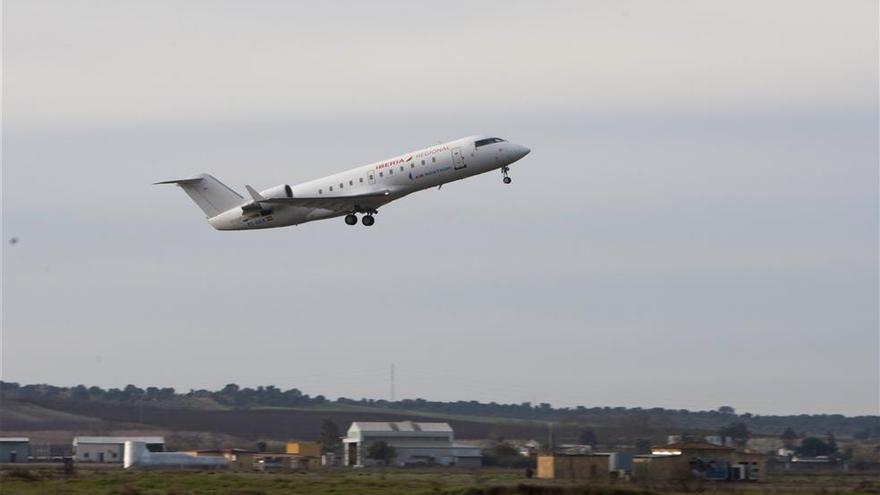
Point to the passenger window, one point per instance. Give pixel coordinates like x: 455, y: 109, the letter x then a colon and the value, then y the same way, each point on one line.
x: 340, y: 185
x: 331, y: 188
x: 434, y: 159
x: 390, y: 171
x: 361, y: 180
x: 412, y: 165
x: 423, y: 162
x: 401, y: 168
x: 320, y: 191
x: 351, y: 183
x: 381, y: 174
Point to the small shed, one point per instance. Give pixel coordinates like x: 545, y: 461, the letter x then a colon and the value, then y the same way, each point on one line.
x: 595, y: 467
x: 14, y: 449
x: 312, y: 449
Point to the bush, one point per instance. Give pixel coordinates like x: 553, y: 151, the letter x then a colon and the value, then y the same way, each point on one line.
x: 22, y: 474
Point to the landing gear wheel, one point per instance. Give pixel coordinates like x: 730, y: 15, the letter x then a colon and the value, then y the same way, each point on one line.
x: 368, y: 220
x: 504, y: 171
x: 350, y: 219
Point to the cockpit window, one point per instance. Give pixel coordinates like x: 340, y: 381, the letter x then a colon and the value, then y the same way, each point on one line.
x: 484, y: 142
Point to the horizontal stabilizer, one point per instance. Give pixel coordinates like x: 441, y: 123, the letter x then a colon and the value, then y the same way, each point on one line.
x: 192, y: 180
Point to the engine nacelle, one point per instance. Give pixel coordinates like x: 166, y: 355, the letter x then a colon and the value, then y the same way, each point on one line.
x: 282, y: 191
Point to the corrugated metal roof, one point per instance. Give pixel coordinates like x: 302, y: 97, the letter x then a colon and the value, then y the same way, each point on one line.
x: 117, y: 440
x: 14, y: 439
x: 379, y: 426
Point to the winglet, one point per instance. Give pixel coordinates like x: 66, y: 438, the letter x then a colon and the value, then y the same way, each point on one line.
x: 254, y: 194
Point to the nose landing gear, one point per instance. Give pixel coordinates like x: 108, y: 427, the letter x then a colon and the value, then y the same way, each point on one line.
x: 504, y: 170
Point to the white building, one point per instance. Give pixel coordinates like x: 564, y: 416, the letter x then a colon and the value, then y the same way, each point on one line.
x: 413, y: 443
x: 110, y: 449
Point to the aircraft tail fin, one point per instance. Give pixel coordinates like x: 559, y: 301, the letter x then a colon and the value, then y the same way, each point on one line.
x: 211, y: 195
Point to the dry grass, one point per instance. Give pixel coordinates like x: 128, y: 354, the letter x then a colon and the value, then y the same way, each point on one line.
x: 376, y: 482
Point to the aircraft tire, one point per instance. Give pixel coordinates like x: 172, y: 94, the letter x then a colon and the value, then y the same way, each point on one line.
x: 368, y: 220
x: 351, y: 219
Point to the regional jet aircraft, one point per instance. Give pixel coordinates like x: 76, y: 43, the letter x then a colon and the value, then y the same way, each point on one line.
x: 360, y: 190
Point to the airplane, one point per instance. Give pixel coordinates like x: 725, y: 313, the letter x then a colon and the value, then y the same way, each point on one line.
x: 361, y: 190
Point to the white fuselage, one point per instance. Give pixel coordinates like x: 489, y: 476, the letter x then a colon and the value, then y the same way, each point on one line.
x: 396, y: 177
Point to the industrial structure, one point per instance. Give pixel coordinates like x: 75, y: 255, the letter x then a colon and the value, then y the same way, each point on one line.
x: 14, y: 449
x: 110, y: 449
x: 136, y: 455
x: 700, y: 460
x: 249, y: 460
x: 413, y: 443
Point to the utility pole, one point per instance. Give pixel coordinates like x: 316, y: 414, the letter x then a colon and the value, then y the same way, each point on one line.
x: 392, y: 382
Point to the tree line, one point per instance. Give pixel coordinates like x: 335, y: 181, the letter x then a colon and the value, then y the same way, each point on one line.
x: 653, y: 419
x: 230, y: 395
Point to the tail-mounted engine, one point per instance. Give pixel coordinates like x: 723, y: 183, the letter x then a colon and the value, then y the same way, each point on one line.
x: 282, y: 191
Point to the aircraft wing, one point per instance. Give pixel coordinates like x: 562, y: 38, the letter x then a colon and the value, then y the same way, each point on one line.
x: 336, y: 203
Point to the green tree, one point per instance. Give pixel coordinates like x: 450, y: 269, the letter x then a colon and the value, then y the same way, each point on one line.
x: 79, y: 392
x: 587, y: 437
x: 726, y: 410
x: 506, y: 455
x: 382, y: 452
x: 812, y: 447
x: 788, y: 437
x: 504, y: 449
x: 330, y: 441
x: 131, y: 392
x: 737, y: 431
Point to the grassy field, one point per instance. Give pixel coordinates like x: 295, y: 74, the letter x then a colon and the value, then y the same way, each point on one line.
x: 391, y: 482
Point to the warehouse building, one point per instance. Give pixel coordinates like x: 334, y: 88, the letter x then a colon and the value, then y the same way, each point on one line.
x: 110, y: 449
x: 14, y: 449
x: 413, y: 443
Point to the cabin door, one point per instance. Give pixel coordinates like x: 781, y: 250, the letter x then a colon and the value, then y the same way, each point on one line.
x: 352, y: 454
x: 458, y: 161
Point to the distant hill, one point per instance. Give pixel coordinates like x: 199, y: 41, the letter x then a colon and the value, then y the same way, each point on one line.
x: 268, y: 413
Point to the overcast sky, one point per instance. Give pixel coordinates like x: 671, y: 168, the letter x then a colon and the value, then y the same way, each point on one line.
x: 697, y: 223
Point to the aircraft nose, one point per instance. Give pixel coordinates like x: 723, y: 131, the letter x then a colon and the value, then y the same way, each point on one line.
x: 521, y: 151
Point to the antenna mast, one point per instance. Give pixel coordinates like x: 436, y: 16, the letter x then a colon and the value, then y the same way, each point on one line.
x: 392, y: 382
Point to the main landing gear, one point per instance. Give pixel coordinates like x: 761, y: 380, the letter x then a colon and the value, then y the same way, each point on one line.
x: 368, y: 219
x: 504, y: 170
